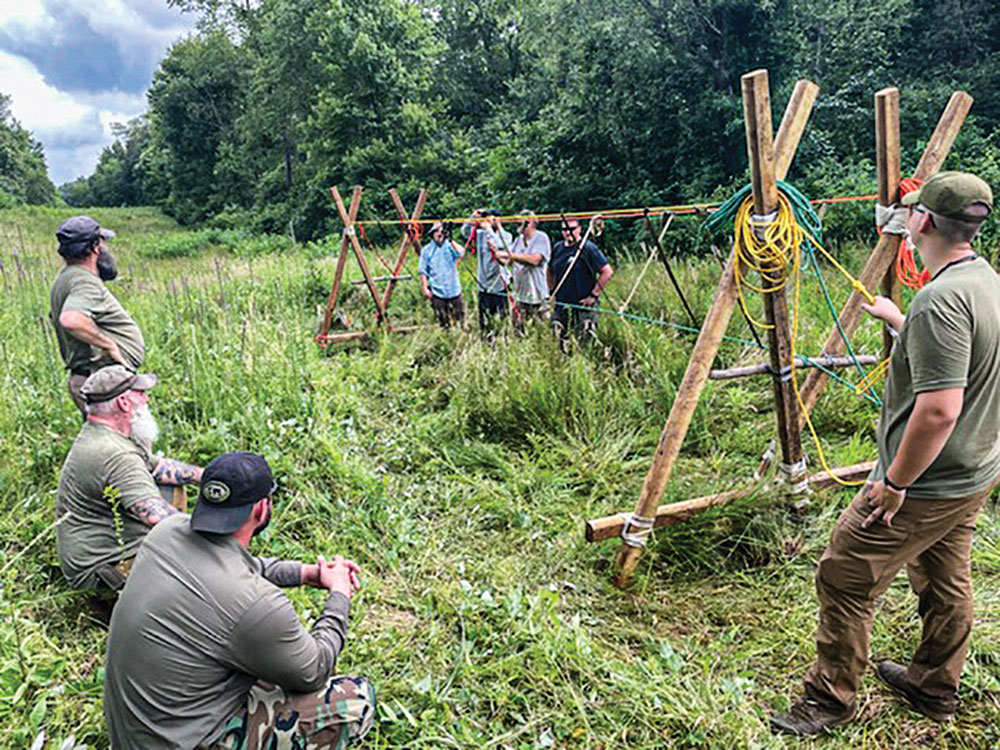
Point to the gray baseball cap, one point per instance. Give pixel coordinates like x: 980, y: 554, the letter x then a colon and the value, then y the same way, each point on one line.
x: 81, y: 229
x: 112, y: 381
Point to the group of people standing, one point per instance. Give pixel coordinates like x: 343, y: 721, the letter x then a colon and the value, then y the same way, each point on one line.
x: 517, y: 278
x: 204, y: 649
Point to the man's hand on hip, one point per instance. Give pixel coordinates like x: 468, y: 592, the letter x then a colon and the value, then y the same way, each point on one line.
x: 886, y: 500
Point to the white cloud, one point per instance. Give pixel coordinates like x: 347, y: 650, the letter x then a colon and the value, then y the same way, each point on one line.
x: 69, y: 102
x: 36, y: 104
x: 24, y: 14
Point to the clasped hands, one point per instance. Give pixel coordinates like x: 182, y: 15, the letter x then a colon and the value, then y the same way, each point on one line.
x: 339, y: 574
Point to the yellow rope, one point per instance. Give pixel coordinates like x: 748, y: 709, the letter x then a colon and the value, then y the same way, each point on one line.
x: 776, y: 257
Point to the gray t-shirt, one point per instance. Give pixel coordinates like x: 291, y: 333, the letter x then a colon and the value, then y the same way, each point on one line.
x: 491, y: 277
x: 198, y: 623
x: 531, y: 284
x: 951, y: 339
x: 76, y: 288
x: 104, y: 474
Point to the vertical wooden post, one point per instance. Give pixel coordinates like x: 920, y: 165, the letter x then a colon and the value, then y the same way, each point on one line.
x: 887, y: 161
x: 351, y: 234
x: 331, y: 302
x: 760, y: 150
x: 885, y: 251
x: 408, y: 238
x: 705, y: 349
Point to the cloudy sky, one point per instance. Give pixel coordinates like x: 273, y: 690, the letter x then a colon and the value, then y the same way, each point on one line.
x: 74, y: 67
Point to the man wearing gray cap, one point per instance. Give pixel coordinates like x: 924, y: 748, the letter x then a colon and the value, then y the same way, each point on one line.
x: 108, y: 495
x: 938, y: 459
x: 206, y: 651
x: 92, y: 327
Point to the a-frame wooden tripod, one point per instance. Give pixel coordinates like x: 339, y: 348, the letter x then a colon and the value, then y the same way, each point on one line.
x: 349, y: 243
x: 769, y: 162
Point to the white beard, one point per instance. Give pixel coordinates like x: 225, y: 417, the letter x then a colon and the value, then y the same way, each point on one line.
x: 145, y: 430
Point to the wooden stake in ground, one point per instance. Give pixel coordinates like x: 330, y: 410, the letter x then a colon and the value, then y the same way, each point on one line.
x: 709, y: 339
x: 757, y: 120
x: 331, y: 302
x: 885, y: 251
x: 887, y: 161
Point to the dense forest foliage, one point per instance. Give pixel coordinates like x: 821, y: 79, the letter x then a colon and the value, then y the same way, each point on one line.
x: 549, y: 104
x: 23, y: 175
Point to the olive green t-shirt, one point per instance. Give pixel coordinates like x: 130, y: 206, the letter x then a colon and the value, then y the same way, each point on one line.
x: 76, y: 288
x: 104, y: 474
x: 951, y: 339
x: 199, y: 621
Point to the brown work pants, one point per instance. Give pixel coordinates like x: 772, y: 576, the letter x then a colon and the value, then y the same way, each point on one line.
x: 74, y: 383
x: 932, y: 538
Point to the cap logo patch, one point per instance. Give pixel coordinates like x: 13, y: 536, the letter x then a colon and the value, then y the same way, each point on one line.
x: 215, y: 491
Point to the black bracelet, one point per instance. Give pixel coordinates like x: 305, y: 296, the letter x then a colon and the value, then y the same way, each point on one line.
x: 889, y: 483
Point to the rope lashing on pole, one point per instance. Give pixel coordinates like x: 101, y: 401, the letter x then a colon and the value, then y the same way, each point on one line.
x: 771, y: 246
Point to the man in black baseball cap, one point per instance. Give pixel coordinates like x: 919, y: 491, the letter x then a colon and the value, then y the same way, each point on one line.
x: 230, y: 486
x: 938, y: 443
x: 92, y: 328
x: 199, y: 610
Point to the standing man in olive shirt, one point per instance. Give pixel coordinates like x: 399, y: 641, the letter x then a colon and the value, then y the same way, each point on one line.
x: 108, y: 496
x: 938, y: 459
x: 91, y: 326
x: 205, y: 651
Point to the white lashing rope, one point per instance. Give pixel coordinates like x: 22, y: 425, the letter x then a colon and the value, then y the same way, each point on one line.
x: 643, y: 526
x: 891, y: 219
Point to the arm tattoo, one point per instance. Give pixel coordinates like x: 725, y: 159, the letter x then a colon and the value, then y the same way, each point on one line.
x: 151, y: 511
x: 171, y: 471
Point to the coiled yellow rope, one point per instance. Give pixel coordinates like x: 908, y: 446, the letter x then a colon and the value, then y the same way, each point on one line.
x: 774, y: 254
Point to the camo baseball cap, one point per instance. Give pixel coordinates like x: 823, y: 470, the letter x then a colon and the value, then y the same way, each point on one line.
x: 114, y: 380
x: 230, y: 485
x: 951, y: 194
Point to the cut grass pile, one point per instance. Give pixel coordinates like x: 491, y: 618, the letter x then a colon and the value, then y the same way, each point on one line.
x: 459, y: 475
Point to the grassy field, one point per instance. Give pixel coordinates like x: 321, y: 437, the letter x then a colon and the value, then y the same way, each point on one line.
x: 459, y: 475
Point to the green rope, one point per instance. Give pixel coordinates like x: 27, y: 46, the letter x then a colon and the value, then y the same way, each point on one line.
x: 802, y: 208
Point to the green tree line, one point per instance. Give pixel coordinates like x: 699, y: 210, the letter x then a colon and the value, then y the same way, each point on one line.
x: 548, y: 104
x: 23, y: 174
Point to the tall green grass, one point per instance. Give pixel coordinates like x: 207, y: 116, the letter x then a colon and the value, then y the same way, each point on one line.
x: 459, y: 474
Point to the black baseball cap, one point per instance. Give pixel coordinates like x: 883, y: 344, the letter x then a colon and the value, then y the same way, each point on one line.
x: 230, y: 485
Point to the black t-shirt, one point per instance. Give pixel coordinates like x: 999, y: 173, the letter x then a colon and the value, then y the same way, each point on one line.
x: 580, y: 282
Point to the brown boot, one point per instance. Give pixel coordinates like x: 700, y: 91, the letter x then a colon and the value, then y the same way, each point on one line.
x: 810, y: 717
x: 894, y: 675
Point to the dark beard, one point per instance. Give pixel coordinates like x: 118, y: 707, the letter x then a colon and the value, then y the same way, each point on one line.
x: 107, y: 269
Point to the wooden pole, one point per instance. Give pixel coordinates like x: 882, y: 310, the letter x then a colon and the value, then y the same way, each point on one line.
x: 885, y: 251
x: 760, y: 149
x: 338, y: 338
x: 705, y: 349
x: 611, y: 526
x: 352, y: 236
x: 887, y: 161
x: 408, y: 237
x: 764, y: 368
x: 331, y: 302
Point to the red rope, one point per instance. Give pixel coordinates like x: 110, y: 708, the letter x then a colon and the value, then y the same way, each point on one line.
x: 375, y: 250
x: 906, y: 264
